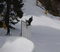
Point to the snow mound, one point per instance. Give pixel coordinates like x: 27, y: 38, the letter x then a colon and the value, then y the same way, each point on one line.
x: 21, y: 44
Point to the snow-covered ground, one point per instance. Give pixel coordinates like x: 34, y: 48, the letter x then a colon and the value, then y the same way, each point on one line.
x: 15, y: 44
x: 42, y: 36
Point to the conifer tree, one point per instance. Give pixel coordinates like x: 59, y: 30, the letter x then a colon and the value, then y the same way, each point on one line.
x: 11, y: 11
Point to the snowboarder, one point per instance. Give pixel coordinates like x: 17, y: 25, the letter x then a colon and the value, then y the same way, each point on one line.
x: 29, y: 21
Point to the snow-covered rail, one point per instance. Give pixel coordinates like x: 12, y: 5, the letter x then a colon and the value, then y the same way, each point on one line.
x: 25, y: 30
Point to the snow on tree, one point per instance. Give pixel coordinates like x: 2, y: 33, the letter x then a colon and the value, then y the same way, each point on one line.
x: 11, y: 12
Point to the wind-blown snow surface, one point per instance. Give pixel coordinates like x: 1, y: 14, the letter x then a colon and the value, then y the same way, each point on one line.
x: 45, y: 31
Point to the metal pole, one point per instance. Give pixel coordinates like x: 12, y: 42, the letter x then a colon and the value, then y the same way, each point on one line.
x: 21, y: 27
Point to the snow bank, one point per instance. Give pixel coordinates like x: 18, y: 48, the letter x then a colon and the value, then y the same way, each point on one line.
x: 16, y: 44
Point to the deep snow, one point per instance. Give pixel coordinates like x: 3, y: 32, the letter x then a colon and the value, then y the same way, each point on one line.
x: 43, y: 34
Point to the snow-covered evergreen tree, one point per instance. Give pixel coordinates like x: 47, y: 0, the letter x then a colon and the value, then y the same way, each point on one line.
x: 11, y: 10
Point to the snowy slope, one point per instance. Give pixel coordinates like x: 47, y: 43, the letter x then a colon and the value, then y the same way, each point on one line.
x: 44, y: 32
x: 45, y: 29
